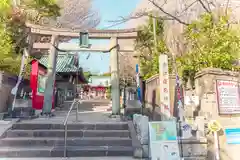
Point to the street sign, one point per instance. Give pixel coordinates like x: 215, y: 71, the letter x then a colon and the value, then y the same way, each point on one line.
x: 214, y: 126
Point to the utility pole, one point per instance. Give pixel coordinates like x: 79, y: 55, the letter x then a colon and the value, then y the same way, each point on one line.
x: 155, y: 34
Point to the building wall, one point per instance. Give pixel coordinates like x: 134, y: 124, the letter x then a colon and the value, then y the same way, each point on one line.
x: 100, y: 80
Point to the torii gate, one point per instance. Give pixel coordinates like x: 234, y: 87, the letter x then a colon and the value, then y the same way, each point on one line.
x: 120, y: 41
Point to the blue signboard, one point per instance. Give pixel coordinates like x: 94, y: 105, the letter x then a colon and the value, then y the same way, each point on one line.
x: 233, y: 135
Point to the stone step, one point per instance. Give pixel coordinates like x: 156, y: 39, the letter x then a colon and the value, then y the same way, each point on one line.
x: 53, y: 141
x: 23, y: 112
x: 85, y: 126
x: 72, y: 151
x: 70, y: 133
x: 102, y: 108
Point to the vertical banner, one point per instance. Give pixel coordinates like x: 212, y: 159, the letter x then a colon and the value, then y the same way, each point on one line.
x: 20, y: 76
x: 163, y: 140
x: 164, y: 86
x: 179, y: 99
x: 138, y: 83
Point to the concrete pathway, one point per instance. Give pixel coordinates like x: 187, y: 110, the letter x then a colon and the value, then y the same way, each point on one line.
x: 91, y: 111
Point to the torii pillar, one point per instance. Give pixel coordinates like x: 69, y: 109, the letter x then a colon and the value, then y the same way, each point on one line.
x: 51, y: 74
x: 115, y: 88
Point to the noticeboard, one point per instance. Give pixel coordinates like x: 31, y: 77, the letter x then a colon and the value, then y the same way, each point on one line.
x: 228, y: 96
x: 41, y: 83
x: 233, y: 135
x: 163, y: 140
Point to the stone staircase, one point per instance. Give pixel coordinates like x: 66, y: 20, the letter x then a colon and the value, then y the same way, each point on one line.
x: 84, y: 140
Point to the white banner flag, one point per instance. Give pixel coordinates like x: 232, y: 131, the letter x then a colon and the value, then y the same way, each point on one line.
x: 20, y: 76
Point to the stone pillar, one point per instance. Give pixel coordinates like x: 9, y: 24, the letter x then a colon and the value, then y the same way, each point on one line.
x: 115, y: 90
x: 51, y: 73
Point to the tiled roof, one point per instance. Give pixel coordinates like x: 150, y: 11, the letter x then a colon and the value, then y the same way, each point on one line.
x: 64, y: 63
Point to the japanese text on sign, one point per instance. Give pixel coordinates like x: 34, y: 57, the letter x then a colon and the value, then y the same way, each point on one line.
x: 228, y: 96
x: 164, y: 85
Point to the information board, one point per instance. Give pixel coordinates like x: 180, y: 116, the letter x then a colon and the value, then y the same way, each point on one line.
x: 228, y: 96
x: 163, y: 140
x: 41, y: 83
x: 233, y: 135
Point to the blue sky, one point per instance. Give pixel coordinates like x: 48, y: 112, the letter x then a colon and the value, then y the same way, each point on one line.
x: 108, y: 10
x: 113, y: 9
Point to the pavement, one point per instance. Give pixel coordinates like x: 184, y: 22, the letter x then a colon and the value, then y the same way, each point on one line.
x: 82, y: 117
x: 91, y: 111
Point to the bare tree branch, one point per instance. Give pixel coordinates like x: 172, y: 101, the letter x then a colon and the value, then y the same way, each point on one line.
x: 137, y: 15
x: 126, y: 68
x: 187, y: 8
x: 204, y: 6
x: 75, y: 14
x: 168, y: 14
x: 179, y: 16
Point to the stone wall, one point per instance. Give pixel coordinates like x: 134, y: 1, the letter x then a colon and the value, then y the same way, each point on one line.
x: 7, y: 82
x: 206, y: 89
x: 152, y: 96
